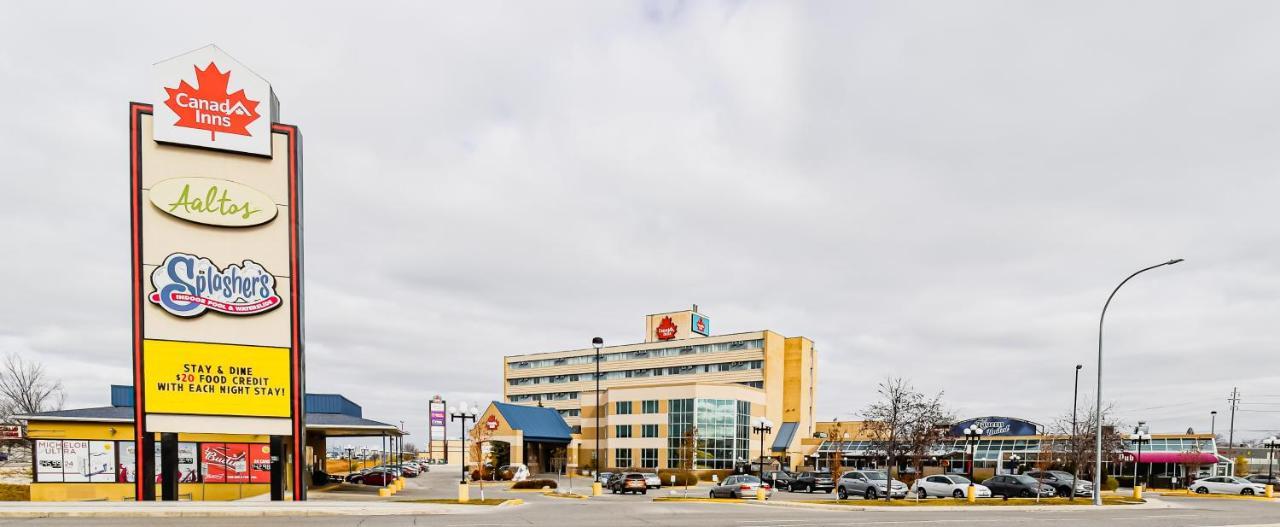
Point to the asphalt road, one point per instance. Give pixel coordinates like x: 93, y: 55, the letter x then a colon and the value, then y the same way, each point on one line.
x: 632, y: 510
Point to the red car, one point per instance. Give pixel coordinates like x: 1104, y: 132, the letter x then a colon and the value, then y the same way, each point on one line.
x: 377, y: 478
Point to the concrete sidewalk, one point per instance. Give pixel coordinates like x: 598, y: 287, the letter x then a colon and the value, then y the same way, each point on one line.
x: 228, y: 509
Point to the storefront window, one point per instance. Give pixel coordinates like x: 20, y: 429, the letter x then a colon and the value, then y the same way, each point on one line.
x: 75, y: 461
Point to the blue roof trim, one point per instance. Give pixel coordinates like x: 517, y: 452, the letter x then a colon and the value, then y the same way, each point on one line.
x: 784, y: 437
x: 538, y: 424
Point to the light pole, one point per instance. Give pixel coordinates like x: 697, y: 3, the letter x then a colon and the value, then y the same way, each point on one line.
x: 763, y: 426
x: 1097, y: 445
x: 971, y: 435
x: 1138, y: 437
x: 1213, y: 425
x: 1075, y: 436
x: 1015, y: 459
x: 463, y: 413
x: 351, y: 459
x: 596, y: 488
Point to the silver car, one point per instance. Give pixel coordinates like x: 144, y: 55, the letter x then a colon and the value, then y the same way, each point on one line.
x: 741, y: 486
x: 870, y: 484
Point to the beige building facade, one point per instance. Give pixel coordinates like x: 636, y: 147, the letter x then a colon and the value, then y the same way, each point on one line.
x: 681, y: 383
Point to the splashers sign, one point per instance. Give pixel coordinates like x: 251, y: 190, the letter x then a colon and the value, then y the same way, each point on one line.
x: 187, y: 285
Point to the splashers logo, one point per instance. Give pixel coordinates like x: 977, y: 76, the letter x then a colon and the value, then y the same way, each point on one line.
x: 208, y: 106
x: 187, y: 285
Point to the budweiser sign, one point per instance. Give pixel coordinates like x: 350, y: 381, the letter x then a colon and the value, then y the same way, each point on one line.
x: 237, y: 462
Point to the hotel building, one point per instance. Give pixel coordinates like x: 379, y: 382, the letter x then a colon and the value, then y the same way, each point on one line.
x: 681, y: 381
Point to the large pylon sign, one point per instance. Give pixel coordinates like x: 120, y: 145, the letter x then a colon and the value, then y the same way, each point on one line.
x: 215, y: 210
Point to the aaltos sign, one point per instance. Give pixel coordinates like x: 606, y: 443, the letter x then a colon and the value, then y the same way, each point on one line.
x: 666, y: 329
x: 187, y: 285
x: 212, y: 202
x: 210, y: 100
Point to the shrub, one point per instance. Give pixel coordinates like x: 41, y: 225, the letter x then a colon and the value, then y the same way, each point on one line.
x: 475, y: 474
x: 720, y: 474
x: 506, y: 474
x: 534, y: 484
x: 1111, y: 484
x: 683, y: 477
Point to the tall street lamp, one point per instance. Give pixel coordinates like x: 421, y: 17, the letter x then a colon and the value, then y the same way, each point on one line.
x: 1138, y: 437
x: 463, y: 413
x: 1213, y: 424
x: 596, y: 490
x: 1097, y: 446
x: 351, y: 458
x: 1075, y: 437
x: 763, y: 426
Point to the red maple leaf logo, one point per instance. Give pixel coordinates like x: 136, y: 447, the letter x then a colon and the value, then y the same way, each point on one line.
x: 666, y: 329
x: 210, y: 107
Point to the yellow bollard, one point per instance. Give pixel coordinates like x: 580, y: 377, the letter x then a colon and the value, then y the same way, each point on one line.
x: 464, y: 493
x: 596, y: 489
x: 760, y: 494
x: 972, y: 495
x: 1137, y: 492
x: 1270, y: 491
x: 384, y: 492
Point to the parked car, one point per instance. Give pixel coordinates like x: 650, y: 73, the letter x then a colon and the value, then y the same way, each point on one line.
x: 1227, y: 485
x: 741, y: 486
x: 779, y: 479
x: 377, y: 477
x: 1018, y: 486
x: 652, y: 480
x: 943, y: 485
x: 870, y: 484
x: 1263, y: 479
x: 628, y: 482
x: 408, y: 470
x: 603, y: 477
x: 1063, y: 482
x: 811, y: 481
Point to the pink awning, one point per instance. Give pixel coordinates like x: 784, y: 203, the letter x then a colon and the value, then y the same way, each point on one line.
x: 1173, y: 457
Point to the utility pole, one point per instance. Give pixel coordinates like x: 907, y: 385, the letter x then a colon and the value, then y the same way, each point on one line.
x: 1231, y: 433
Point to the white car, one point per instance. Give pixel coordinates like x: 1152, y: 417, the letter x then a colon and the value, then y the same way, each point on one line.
x: 1227, y: 485
x: 953, y: 485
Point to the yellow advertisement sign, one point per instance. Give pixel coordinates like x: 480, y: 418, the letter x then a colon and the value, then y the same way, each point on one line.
x: 216, y: 379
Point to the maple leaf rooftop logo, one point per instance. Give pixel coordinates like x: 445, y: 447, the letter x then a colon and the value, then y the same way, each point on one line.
x: 208, y: 106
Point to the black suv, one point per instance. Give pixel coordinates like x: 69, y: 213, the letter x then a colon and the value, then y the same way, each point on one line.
x: 811, y: 481
x: 778, y: 479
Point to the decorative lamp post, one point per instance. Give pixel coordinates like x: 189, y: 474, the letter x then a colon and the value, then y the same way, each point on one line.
x: 1138, y: 437
x: 971, y: 435
x: 351, y: 458
x: 1097, y: 447
x: 763, y: 426
x: 1015, y: 459
x: 1271, y: 444
x: 463, y: 413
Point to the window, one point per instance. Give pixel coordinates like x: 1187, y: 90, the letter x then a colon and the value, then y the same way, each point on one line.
x: 622, y: 407
x: 648, y: 430
x: 621, y: 431
x: 649, y: 407
x: 648, y: 458
x: 622, y: 457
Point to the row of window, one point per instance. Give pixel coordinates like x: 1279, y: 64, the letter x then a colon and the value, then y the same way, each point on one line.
x: 648, y: 457
x: 554, y: 396
x: 571, y: 412
x: 991, y: 448
x: 646, y: 407
x: 740, y: 345
x: 624, y: 431
x: 742, y: 365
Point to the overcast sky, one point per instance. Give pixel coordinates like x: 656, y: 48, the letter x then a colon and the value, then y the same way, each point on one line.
x: 945, y: 191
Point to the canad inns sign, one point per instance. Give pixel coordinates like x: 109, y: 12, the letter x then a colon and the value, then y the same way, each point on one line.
x: 216, y: 210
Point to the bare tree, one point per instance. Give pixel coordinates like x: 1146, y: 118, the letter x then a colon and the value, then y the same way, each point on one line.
x: 889, y: 421
x: 1077, y: 445
x: 926, y: 428
x: 25, y: 388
